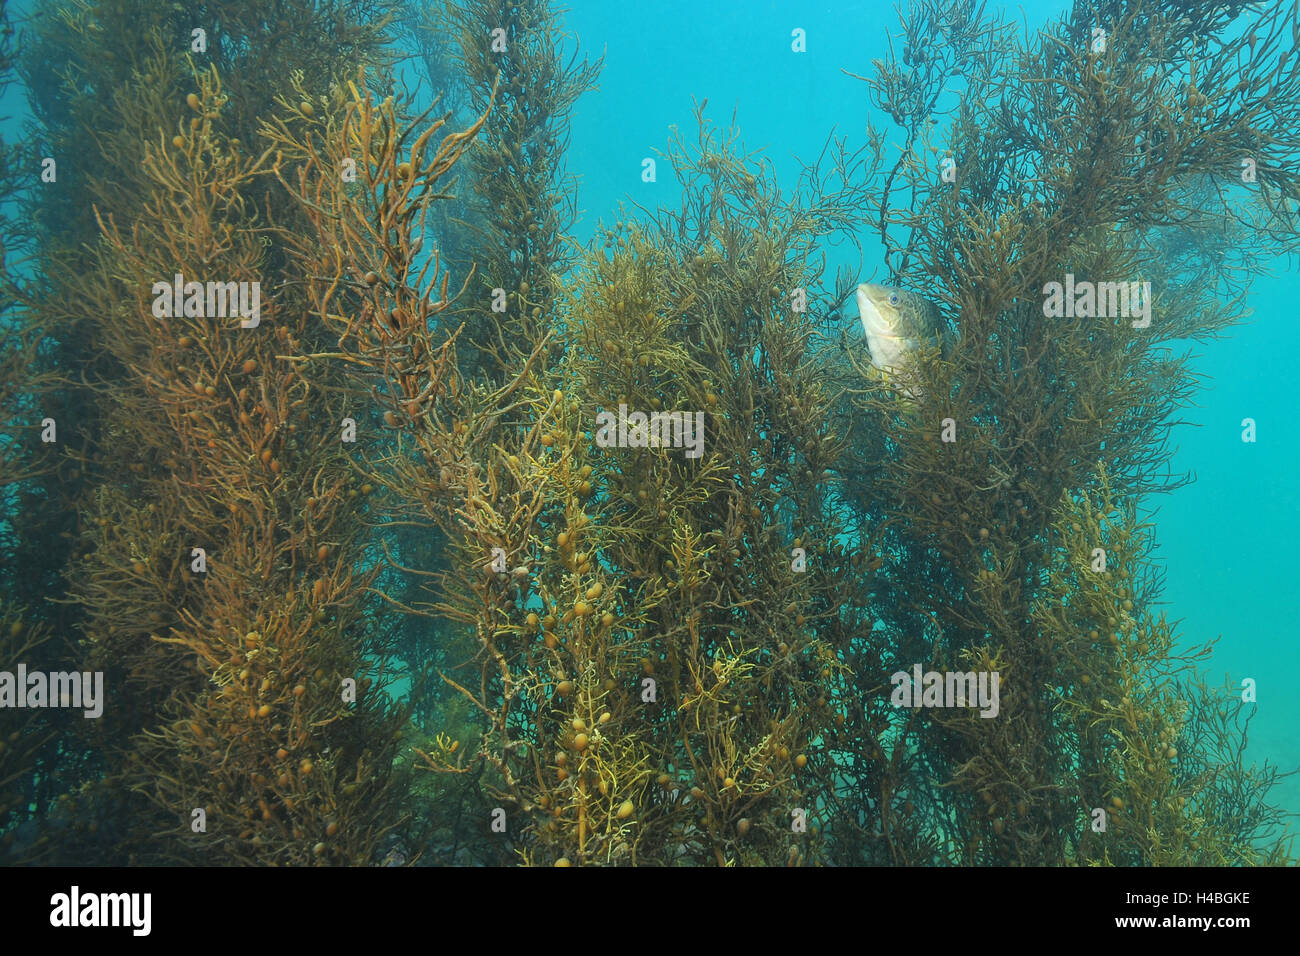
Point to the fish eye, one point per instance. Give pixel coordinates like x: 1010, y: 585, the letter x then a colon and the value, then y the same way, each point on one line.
x: 894, y: 299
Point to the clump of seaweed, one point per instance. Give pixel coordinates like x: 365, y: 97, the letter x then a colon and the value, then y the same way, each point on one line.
x: 1159, y: 761
x: 221, y: 575
x: 625, y: 713
x: 674, y: 649
x: 24, y: 738
x: 1068, y: 158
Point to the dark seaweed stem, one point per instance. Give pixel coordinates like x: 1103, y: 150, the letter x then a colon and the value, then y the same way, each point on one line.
x: 518, y: 201
x: 941, y: 41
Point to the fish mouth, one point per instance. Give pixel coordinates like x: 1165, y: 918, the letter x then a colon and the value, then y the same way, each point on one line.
x: 874, y: 323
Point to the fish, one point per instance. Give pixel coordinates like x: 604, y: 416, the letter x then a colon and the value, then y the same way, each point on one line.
x: 897, y: 323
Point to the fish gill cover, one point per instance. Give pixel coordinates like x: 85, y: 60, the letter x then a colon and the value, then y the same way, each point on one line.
x: 405, y: 528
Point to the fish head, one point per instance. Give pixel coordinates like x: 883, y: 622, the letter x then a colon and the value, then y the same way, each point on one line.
x: 896, y: 323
